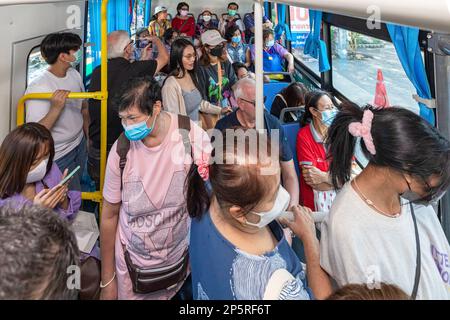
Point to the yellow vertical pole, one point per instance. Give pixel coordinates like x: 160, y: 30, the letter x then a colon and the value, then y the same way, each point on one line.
x: 104, y: 90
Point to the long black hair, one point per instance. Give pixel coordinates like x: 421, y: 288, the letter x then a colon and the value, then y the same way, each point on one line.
x: 311, y: 100
x: 403, y: 141
x: 176, y: 61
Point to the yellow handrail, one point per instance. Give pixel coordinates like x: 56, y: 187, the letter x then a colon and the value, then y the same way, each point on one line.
x: 99, y: 95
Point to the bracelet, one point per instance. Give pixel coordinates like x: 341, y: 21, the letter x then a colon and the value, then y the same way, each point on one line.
x: 102, y: 286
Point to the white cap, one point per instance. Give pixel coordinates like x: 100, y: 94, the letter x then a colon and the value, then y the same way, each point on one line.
x: 212, y: 38
x: 158, y: 9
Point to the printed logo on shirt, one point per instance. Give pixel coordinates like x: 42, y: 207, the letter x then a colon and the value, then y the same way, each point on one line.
x: 442, y: 263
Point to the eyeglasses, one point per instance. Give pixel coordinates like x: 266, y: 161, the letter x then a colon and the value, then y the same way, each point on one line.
x: 251, y: 102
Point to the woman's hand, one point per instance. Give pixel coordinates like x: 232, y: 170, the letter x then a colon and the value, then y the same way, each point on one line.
x: 314, y: 176
x: 291, y: 68
x: 50, y: 198
x: 110, y: 291
x: 226, y: 111
x: 303, y: 225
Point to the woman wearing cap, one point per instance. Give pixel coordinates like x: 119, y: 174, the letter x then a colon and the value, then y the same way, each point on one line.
x: 215, y: 73
x: 159, y: 23
x: 183, y: 23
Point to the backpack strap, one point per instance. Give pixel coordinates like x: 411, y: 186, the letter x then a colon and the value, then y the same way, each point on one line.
x: 123, y: 145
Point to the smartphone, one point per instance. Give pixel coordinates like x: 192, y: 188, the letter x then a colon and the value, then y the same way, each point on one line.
x: 142, y: 43
x: 306, y: 163
x: 69, y: 176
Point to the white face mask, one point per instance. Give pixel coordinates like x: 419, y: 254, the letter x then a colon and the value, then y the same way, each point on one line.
x: 38, y: 173
x: 280, y: 205
x: 206, y: 18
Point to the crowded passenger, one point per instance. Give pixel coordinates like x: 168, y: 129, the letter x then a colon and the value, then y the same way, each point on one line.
x: 231, y: 18
x: 311, y: 152
x: 141, y: 41
x: 159, y: 24
x: 237, y: 248
x: 249, y: 23
x: 67, y: 119
x: 380, y: 291
x: 274, y: 54
x: 245, y: 116
x: 39, y: 255
x: 183, y: 23
x: 290, y: 97
x: 206, y: 22
x: 236, y: 49
x: 215, y: 74
x: 120, y: 70
x: 144, y: 222
x: 242, y: 71
x: 180, y: 92
x: 28, y: 174
x: 382, y: 225
x: 169, y: 37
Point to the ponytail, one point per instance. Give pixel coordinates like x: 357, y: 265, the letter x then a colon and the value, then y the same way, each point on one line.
x: 341, y: 143
x: 197, y: 197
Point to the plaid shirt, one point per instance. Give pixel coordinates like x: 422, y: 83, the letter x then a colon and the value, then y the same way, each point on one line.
x: 157, y: 29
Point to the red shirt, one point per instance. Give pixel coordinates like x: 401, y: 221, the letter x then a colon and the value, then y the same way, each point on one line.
x: 188, y: 27
x: 308, y: 149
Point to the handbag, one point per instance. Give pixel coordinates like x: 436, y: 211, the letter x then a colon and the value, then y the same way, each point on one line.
x: 148, y: 280
x: 90, y: 279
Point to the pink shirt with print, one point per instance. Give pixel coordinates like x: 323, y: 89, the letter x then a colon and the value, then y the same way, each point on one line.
x: 153, y: 219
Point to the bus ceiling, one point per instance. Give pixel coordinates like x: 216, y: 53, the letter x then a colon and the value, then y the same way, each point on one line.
x: 427, y: 15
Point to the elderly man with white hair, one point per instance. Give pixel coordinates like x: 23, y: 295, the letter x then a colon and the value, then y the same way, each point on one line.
x: 244, y: 116
x: 121, y: 68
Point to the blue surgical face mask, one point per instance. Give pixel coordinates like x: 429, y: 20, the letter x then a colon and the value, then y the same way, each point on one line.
x: 328, y: 116
x: 280, y: 205
x: 138, y: 131
x: 270, y: 43
x: 236, y: 39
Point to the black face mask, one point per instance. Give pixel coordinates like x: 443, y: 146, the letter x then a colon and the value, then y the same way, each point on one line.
x: 217, y: 51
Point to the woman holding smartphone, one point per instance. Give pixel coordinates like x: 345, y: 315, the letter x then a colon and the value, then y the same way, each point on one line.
x: 29, y: 176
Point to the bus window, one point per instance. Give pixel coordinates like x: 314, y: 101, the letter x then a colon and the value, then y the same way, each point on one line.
x: 36, y: 65
x: 299, y: 24
x: 356, y: 59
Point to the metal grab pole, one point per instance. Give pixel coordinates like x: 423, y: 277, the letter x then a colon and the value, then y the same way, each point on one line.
x: 104, y: 90
x: 259, y: 99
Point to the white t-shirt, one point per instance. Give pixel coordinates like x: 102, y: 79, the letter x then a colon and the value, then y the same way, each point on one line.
x: 68, y: 129
x: 359, y: 245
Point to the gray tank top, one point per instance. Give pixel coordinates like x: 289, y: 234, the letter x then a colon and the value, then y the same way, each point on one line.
x: 192, y: 100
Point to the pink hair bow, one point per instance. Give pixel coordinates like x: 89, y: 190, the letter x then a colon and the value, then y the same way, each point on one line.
x: 203, y: 167
x: 362, y: 129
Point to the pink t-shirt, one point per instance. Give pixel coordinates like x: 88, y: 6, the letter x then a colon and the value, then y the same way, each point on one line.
x: 153, y: 220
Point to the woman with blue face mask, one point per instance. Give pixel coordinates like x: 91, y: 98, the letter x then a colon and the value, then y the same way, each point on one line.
x: 237, y: 247
x: 274, y: 54
x: 144, y: 222
x: 382, y: 226
x: 236, y: 49
x: 311, y: 152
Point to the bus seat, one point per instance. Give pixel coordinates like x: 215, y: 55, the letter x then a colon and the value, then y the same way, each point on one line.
x: 272, y: 88
x: 295, y: 112
x: 291, y: 131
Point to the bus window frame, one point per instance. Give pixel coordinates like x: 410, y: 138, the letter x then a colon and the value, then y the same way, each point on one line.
x: 325, y: 80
